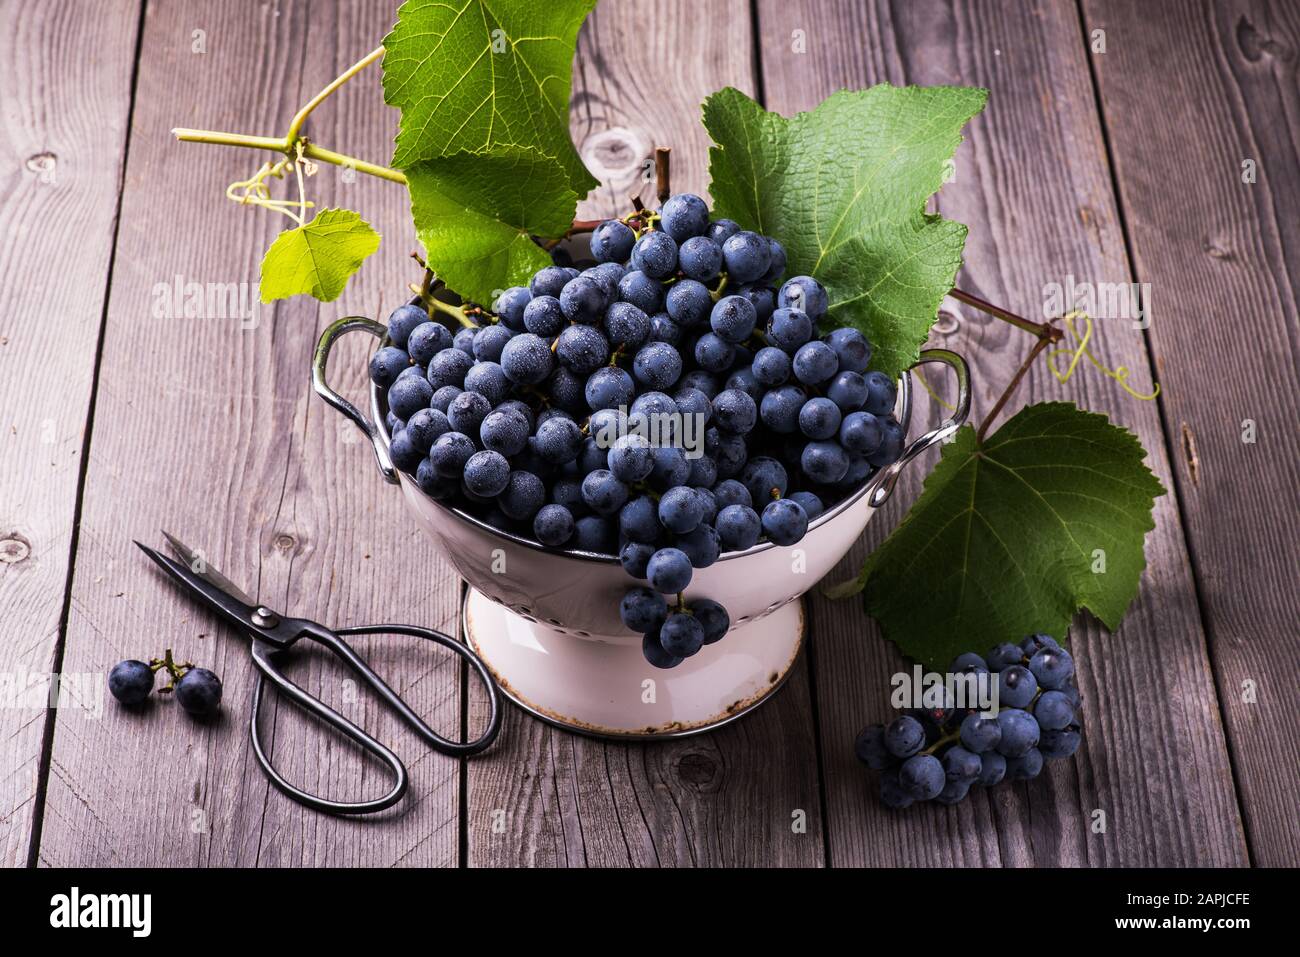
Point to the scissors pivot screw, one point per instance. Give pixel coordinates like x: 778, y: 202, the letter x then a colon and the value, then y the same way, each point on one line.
x: 263, y: 617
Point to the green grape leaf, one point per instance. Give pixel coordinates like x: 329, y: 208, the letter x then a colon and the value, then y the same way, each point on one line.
x: 1014, y: 535
x: 469, y: 75
x: 317, y: 258
x: 844, y: 189
x: 475, y: 213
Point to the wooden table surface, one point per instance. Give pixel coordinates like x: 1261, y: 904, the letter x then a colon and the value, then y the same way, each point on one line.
x: 1117, y: 166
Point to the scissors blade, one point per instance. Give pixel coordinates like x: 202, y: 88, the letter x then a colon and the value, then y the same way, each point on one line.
x: 205, y: 569
x: 229, y: 606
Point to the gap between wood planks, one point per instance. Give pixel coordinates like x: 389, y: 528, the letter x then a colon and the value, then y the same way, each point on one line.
x: 1173, y: 449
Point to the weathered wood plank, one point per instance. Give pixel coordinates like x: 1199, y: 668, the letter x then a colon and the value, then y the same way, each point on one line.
x: 62, y: 147
x: 207, y: 427
x: 550, y: 798
x: 1186, y: 106
x: 1033, y: 184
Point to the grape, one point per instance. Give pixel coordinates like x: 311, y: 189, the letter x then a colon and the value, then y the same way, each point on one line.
x: 489, y: 341
x: 1036, y: 643
x: 612, y: 241
x: 663, y: 329
x: 523, y: 495
x: 993, y: 768
x: 762, y: 298
x: 402, y: 321
x: 819, y: 418
x: 1055, y: 745
x: 443, y: 396
x: 464, y: 341
x: 980, y: 733
x: 680, y: 510
x: 809, y: 502
x: 628, y: 326
x: 777, y: 268
x: 429, y: 338
x: 861, y: 432
x: 467, y: 412
x: 731, y: 492
x: 880, y: 394
x: 771, y: 366
x: 681, y: 635
x: 954, y: 792
x: 720, y: 230
x: 559, y: 440
x: 198, y: 692
x: 592, y: 533
x: 713, y: 353
x: 655, y: 254
x: 852, y: 348
x: 848, y: 391
x: 784, y: 521
x: 423, y: 428
x: 634, y: 556
x: 703, y: 475
x: 653, y: 650
x: 450, y: 452
x: 448, y: 367
x: 789, y: 329
x: 701, y: 546
x: 669, y: 570
x: 713, y: 618
x: 814, y: 363
x: 738, y: 527
x: 582, y: 300
x: 408, y: 395
x: 747, y: 256
x: 527, y: 359
x: 1003, y: 656
x: 631, y: 458
x: 904, y: 736
x: 609, y: 387
x: 733, y: 318
x: 553, y: 524
x: 1025, y: 766
x: 870, y: 748
x: 700, y: 258
x: 780, y: 408
x: 824, y: 462
x: 642, y: 609
x: 922, y: 777
x: 130, y: 681
x: 544, y: 317
x: 581, y: 349
x: 548, y: 281
x: 671, y: 468
x: 1016, y: 687
x: 805, y: 294
x: 486, y: 473
x: 688, y: 303
x: 603, y: 493
x: 657, y: 365
x: 684, y: 216
x: 765, y: 479
x: 640, y: 290
x: 961, y: 765
x: 638, y: 520
x: 1053, y: 667
x: 892, y: 793
x: 1019, y: 732
x: 1053, y: 711
x: 735, y: 411
x: 511, y: 306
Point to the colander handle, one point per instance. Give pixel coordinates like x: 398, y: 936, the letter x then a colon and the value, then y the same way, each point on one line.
x: 333, y: 332
x: 888, y: 477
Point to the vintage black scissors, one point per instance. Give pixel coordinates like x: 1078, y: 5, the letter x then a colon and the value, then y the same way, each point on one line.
x: 273, y: 634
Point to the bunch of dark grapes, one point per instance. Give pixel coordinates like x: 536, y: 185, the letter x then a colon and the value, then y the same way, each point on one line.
x: 535, y: 419
x: 940, y: 754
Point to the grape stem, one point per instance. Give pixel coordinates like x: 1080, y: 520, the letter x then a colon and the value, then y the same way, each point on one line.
x: 947, y: 738
x: 1040, y: 329
x: 1042, y: 343
x: 663, y: 169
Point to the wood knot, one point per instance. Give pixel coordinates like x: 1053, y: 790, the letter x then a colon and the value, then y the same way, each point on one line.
x: 14, y: 549
x: 1254, y: 45
x: 285, y: 542
x: 615, y: 153
x: 41, y: 163
x: 698, y: 770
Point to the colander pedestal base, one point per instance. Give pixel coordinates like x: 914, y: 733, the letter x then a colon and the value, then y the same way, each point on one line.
x: 607, y: 689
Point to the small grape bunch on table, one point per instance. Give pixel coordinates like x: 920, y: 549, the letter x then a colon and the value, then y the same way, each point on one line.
x: 527, y: 418
x: 939, y: 754
x: 197, y: 690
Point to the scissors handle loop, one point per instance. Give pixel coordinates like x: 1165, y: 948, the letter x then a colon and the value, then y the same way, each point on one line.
x: 264, y: 658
